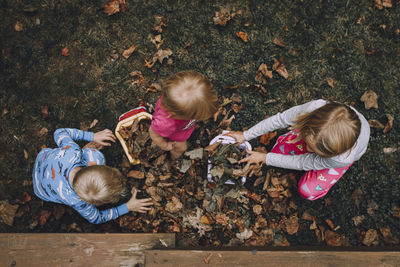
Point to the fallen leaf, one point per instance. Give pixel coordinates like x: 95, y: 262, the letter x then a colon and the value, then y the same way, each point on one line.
x: 307, y: 216
x: 7, y: 212
x: 292, y: 224
x: 246, y: 234
x: 43, y: 131
x: 222, y: 17
x: 206, y: 220
x: 161, y: 55
x: 211, y: 148
x: 216, y: 114
x: 257, y: 209
x: 112, y: 7
x: 157, y: 40
x: 371, y: 238
x: 128, y: 52
x: 389, y: 124
x: 93, y: 123
x: 278, y: 42
x: 43, y: 217
x: 65, y: 52
x: 45, y: 111
x: 154, y: 87
x: 26, y: 155
x: 138, y: 77
x: 330, y: 223
x: 236, y: 98
x: 18, y: 26
x: 331, y: 82
x: 375, y: 124
x: 388, y: 150
x: 58, y: 211
x: 195, y: 153
x: 135, y: 174
x: 236, y: 108
x: 266, y: 138
x: 5, y: 112
x: 243, y: 36
x: 372, y: 207
x: 333, y: 239
x: 22, y: 210
x: 263, y: 73
x: 356, y: 197
x: 357, y: 220
x: 380, y: 4
x: 388, y: 238
x: 370, y: 99
x: 174, y: 205
x: 222, y: 219
x: 24, y: 198
x: 162, y: 21
x: 280, y: 68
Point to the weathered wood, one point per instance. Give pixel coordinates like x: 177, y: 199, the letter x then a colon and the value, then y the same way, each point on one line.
x: 79, y: 249
x: 197, y: 258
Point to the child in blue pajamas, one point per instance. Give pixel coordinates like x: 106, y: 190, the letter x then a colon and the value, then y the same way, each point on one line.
x: 78, y: 177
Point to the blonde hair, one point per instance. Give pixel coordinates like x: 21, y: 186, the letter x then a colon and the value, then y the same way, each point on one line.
x: 189, y: 95
x: 99, y: 184
x: 333, y: 128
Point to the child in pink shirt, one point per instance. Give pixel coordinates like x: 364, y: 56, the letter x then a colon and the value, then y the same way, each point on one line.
x: 187, y: 97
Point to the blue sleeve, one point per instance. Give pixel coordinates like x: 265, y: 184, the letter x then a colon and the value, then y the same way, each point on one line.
x: 96, y: 216
x: 65, y: 137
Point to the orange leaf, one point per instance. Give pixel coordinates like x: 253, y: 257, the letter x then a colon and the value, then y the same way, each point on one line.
x: 136, y: 174
x: 205, y: 220
x: 267, y: 137
x: 243, y: 36
x: 278, y: 42
x: 128, y: 52
x: 389, y: 124
x: 64, y: 52
x: 18, y: 26
x: 330, y: 223
x: 112, y: 7
x: 331, y: 82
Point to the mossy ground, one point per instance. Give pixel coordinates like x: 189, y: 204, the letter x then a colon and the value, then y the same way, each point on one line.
x: 323, y: 40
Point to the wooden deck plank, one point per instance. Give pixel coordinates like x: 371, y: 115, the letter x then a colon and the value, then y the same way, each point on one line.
x: 178, y: 258
x: 79, y: 249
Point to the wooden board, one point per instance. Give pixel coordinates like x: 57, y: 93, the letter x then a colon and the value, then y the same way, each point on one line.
x: 177, y: 258
x: 79, y: 249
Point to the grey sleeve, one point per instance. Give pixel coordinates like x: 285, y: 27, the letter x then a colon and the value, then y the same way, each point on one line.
x: 305, y: 162
x: 281, y: 120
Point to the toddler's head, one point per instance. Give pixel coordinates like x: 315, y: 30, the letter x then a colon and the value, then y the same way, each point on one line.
x: 329, y: 130
x: 99, y: 184
x: 189, y: 95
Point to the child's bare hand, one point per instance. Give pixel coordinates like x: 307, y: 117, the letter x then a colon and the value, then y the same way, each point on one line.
x: 254, y: 157
x: 239, y: 137
x: 139, y: 205
x: 103, y: 136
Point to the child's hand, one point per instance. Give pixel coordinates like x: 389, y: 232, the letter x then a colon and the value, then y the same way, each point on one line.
x: 254, y: 157
x: 239, y: 137
x: 139, y: 205
x: 103, y: 136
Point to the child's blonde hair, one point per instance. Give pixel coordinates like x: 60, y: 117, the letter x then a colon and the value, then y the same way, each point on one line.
x: 189, y: 95
x: 99, y: 184
x: 333, y: 128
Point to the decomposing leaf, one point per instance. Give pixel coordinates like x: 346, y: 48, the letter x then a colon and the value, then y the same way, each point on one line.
x: 58, y: 211
x: 65, y: 52
x: 185, y: 165
x: 292, y: 224
x: 257, y: 209
x: 211, y: 148
x: 157, y: 40
x: 174, y: 205
x: 162, y: 21
x: 331, y: 82
x: 216, y: 114
x: 128, y: 52
x: 388, y: 238
x: 280, y: 68
x: 154, y: 87
x: 7, y: 212
x: 278, y: 42
x: 263, y: 73
x: 370, y: 99
x: 236, y: 98
x: 135, y: 174
x: 160, y: 55
x: 43, y: 217
x: 222, y: 219
x: 375, y: 124
x: 43, y: 131
x: 24, y: 198
x: 18, y: 26
x: 371, y: 238
x: 356, y: 196
x: 93, y: 123
x: 389, y: 124
x: 267, y: 137
x: 307, y: 216
x: 380, y: 4
x: 195, y: 153
x: 113, y: 7
x: 137, y: 77
x: 333, y: 239
x: 44, y: 111
x: 206, y: 220
x: 246, y: 234
x: 330, y: 223
x: 388, y: 150
x: 372, y: 207
x: 222, y: 17
x: 357, y: 220
x: 226, y: 123
x: 243, y: 36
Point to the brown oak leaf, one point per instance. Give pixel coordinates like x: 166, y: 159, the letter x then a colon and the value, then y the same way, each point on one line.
x: 128, y: 52
x: 370, y: 99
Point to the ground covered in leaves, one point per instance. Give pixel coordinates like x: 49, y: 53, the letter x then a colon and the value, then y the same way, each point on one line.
x: 81, y: 64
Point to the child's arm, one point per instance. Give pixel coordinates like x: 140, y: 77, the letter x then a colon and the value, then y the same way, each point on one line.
x: 281, y: 120
x: 65, y: 137
x: 160, y: 141
x: 94, y: 215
